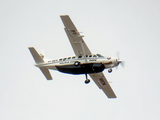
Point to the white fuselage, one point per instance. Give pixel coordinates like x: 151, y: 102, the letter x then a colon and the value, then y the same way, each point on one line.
x: 90, y: 64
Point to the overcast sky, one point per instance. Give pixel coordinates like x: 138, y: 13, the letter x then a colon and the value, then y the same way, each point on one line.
x: 130, y: 27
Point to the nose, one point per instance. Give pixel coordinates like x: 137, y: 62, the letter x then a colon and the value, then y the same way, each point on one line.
x: 116, y: 62
x: 119, y: 61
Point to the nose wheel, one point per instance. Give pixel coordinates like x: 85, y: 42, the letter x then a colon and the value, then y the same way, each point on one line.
x: 87, y: 80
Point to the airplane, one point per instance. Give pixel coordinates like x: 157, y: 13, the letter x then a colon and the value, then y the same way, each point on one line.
x: 84, y: 61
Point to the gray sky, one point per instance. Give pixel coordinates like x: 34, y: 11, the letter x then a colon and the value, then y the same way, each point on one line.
x: 129, y: 26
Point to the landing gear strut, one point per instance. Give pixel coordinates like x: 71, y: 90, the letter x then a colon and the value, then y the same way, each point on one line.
x: 110, y: 70
x: 87, y: 80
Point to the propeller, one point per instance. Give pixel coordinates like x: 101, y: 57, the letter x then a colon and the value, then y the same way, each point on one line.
x: 119, y: 60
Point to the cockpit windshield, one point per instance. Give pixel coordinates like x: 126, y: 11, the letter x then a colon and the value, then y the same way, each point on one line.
x: 99, y: 55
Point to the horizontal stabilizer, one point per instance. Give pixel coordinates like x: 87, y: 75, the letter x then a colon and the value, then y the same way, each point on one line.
x: 46, y: 73
x: 35, y: 55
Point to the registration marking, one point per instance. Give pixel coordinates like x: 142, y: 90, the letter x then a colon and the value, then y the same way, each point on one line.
x: 102, y: 81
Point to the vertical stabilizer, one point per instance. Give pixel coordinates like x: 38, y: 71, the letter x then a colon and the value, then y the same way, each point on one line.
x: 35, y: 55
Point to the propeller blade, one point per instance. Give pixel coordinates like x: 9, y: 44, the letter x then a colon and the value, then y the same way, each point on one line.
x: 122, y: 63
x: 117, y: 53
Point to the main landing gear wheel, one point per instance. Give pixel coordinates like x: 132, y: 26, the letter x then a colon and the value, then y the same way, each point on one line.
x: 87, y: 80
x: 77, y: 63
x: 110, y: 70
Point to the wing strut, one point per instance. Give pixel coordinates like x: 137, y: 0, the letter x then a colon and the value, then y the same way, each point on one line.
x: 84, y: 53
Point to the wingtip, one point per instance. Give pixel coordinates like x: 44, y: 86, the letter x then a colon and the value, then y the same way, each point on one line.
x: 112, y: 97
x: 50, y: 78
x: 30, y: 47
x: 64, y: 15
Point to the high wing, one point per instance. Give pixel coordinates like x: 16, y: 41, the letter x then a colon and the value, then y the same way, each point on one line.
x: 103, y: 84
x: 79, y: 46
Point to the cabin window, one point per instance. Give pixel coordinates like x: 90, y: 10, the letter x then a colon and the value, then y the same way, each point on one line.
x: 53, y: 60
x: 69, y: 58
x: 86, y: 55
x: 79, y: 56
x: 64, y: 59
x: 73, y: 57
x: 90, y: 55
x: 99, y: 55
x: 94, y: 56
x: 60, y: 59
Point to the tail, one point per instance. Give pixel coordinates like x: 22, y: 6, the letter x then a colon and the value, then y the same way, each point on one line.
x: 39, y: 59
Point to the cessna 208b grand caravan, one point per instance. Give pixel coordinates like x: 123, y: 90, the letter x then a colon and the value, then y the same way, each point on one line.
x: 84, y: 62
